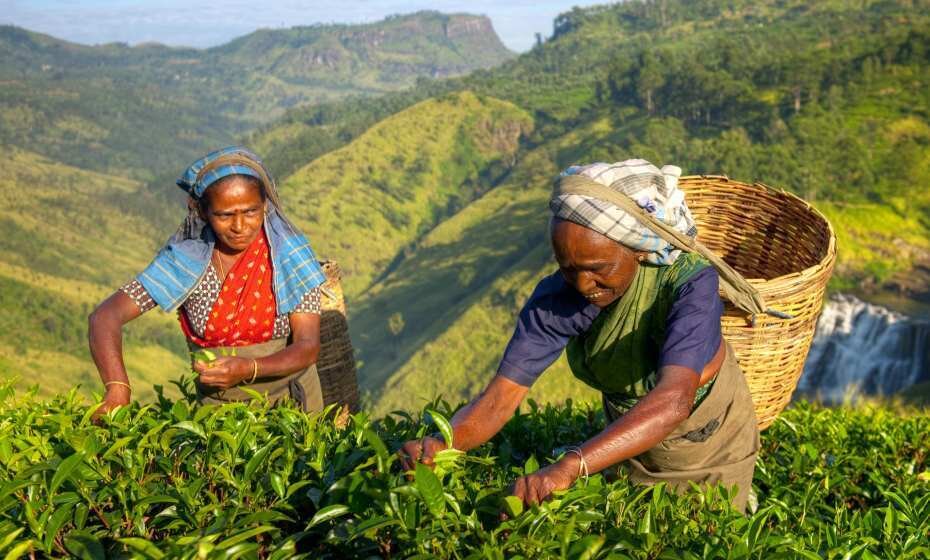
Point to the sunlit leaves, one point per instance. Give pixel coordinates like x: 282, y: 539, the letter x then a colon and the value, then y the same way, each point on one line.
x: 182, y: 480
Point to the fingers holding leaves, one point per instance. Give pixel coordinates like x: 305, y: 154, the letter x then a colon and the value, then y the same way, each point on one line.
x: 222, y: 373
x: 420, y: 451
x: 538, y: 487
x: 410, y: 453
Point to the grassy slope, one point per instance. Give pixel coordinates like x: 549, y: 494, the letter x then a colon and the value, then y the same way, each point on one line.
x: 460, y: 291
x: 367, y: 203
x: 883, y: 241
x: 51, y: 280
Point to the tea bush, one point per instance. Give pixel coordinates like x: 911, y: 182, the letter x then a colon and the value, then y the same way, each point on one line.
x: 176, y: 479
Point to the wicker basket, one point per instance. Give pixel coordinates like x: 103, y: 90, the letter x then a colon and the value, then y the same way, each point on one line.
x: 786, y: 249
x: 336, y: 363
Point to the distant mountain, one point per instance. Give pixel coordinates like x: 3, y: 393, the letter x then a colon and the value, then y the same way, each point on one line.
x: 137, y: 110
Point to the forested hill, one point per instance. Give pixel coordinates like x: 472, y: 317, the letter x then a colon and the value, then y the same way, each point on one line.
x: 826, y: 99
x: 135, y: 110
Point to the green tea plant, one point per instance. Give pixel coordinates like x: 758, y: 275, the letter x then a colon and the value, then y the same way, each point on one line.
x: 177, y: 479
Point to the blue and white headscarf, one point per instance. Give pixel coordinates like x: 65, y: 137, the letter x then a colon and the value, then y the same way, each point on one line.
x: 653, y: 189
x: 182, y: 262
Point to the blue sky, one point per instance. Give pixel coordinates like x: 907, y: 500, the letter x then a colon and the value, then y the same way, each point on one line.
x: 202, y: 24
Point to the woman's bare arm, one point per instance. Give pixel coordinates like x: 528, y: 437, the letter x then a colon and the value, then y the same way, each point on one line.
x: 105, y: 335
x: 472, y: 425
x: 643, y: 427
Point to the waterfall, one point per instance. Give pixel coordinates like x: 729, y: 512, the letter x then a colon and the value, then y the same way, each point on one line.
x: 860, y: 348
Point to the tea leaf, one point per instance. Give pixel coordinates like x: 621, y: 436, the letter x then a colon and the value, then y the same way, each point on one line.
x: 257, y: 459
x: 246, y: 535
x: 513, y: 506
x: 430, y: 489
x: 327, y: 513
x: 143, y: 547
x: 444, y: 426
x: 64, y: 471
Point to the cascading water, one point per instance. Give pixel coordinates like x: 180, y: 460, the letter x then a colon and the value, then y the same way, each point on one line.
x: 860, y: 348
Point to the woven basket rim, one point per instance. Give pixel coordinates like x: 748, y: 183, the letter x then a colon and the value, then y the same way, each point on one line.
x: 824, y: 266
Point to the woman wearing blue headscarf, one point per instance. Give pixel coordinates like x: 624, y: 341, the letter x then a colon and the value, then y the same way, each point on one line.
x: 244, y: 282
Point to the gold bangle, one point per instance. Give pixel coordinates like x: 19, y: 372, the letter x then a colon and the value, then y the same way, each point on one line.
x: 254, y: 372
x: 126, y: 385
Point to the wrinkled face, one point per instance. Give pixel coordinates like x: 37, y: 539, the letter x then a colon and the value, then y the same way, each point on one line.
x: 598, y: 267
x: 235, y: 209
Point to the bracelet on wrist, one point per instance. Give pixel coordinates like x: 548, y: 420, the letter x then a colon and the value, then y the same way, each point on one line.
x: 126, y: 385
x: 582, y: 464
x: 254, y: 372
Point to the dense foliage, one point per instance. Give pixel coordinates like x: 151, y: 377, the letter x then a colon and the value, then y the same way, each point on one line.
x: 182, y: 480
x: 443, y: 242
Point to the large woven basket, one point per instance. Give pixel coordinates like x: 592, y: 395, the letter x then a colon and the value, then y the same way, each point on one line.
x: 336, y: 363
x: 786, y: 249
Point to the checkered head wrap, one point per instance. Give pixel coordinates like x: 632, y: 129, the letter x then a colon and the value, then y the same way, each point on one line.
x: 654, y: 190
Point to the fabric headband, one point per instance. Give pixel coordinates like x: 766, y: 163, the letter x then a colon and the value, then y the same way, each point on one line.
x: 233, y: 160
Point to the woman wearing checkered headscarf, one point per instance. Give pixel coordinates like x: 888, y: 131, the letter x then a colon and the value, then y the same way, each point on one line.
x: 639, y: 319
x: 244, y: 282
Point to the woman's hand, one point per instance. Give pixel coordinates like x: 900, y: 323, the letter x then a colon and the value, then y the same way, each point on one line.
x: 116, y: 396
x: 420, y: 451
x: 224, y: 373
x: 539, y: 486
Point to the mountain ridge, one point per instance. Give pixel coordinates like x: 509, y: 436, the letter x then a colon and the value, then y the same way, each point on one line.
x: 94, y: 100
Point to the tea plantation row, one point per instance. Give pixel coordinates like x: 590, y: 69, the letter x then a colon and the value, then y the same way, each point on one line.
x: 175, y: 479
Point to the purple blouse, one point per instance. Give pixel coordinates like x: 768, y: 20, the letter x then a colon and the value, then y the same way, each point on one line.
x: 556, y: 312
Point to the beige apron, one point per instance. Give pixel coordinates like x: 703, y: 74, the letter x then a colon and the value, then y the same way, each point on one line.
x: 717, y: 443
x: 302, y: 386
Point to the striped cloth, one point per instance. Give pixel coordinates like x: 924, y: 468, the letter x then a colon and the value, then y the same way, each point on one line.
x: 654, y: 190
x: 179, y: 265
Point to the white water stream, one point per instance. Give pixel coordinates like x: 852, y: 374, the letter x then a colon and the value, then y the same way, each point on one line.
x: 860, y: 348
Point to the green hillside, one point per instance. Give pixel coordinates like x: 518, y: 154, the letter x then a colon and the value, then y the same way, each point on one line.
x: 369, y: 203
x: 139, y: 110
x: 66, y: 244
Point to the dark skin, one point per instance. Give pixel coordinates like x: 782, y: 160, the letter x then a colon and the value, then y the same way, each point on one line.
x: 601, y: 270
x: 235, y: 210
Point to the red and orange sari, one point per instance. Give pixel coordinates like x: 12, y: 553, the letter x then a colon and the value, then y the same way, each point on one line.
x: 244, y: 312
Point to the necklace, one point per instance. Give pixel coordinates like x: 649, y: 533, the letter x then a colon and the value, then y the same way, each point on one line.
x: 219, y: 265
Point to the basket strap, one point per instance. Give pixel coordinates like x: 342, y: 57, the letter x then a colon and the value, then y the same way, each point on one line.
x: 735, y: 287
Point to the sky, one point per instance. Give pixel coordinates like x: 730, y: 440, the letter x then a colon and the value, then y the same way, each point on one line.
x: 197, y: 23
